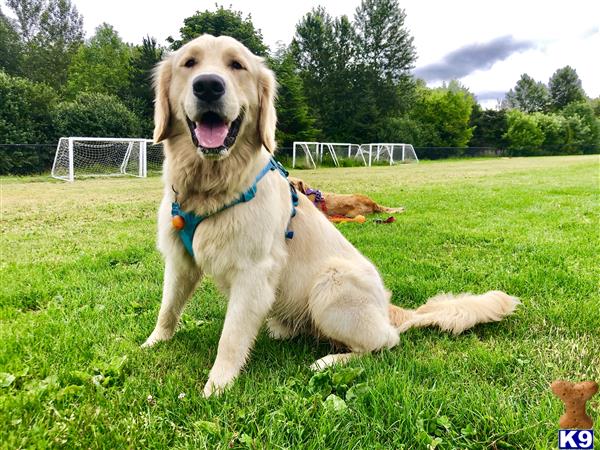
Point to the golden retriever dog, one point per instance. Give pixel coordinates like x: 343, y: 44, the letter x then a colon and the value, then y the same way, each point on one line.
x: 349, y: 205
x: 215, y: 114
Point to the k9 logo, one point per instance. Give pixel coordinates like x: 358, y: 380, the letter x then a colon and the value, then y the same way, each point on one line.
x: 575, y: 439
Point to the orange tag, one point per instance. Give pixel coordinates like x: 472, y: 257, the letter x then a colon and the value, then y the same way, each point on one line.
x: 178, y: 222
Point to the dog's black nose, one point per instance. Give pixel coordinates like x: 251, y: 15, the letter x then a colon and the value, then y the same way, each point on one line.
x: 209, y: 87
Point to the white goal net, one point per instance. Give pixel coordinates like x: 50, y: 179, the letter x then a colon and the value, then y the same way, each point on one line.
x: 87, y: 156
x: 311, y: 154
x: 389, y: 153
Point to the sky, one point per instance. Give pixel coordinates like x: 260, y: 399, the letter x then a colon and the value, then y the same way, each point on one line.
x: 486, y: 45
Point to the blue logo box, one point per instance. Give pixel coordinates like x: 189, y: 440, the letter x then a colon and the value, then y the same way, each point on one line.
x: 575, y: 439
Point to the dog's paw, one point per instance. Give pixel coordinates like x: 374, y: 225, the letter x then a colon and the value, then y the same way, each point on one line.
x: 331, y: 360
x: 156, y: 337
x: 210, y: 389
x: 279, y: 330
x: 221, y: 376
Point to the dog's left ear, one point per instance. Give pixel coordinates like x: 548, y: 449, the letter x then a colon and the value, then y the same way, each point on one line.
x: 267, y: 117
x: 162, y: 109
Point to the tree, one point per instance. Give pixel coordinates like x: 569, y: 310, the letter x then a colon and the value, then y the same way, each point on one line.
x: 25, y: 117
x: 140, y: 93
x: 28, y: 14
x: 26, y: 113
x: 490, y: 127
x: 595, y: 104
x: 554, y: 127
x: 355, y: 74
x: 95, y: 114
x: 101, y: 65
x: 324, y: 54
x: 294, y: 121
x: 524, y: 135
x: 386, y: 53
x: 528, y: 95
x: 221, y: 22
x: 444, y: 114
x: 565, y: 87
x: 11, y: 47
x: 583, y: 127
x: 52, y: 31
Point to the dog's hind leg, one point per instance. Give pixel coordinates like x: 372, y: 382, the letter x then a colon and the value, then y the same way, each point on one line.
x: 349, y: 305
x: 280, y: 330
x: 179, y: 282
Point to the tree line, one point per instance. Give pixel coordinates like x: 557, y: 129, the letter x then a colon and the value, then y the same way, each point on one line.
x: 340, y: 79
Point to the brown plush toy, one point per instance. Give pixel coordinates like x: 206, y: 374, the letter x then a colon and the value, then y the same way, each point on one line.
x: 575, y: 396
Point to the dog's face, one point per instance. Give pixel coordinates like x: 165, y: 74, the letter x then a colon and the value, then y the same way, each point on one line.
x: 218, y: 93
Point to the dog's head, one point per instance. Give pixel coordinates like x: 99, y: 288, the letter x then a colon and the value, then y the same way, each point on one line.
x: 298, y: 184
x: 218, y: 93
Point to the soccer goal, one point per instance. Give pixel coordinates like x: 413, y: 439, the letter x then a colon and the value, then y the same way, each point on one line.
x: 318, y: 153
x: 92, y: 156
x: 389, y: 153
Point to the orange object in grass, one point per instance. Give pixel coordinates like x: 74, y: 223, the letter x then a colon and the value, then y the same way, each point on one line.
x: 340, y: 219
x: 178, y: 222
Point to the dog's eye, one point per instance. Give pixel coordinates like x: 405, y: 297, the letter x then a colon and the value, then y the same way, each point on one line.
x: 236, y: 65
x: 190, y: 62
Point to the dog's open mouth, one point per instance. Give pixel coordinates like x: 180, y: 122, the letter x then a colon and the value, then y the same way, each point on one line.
x: 212, y: 135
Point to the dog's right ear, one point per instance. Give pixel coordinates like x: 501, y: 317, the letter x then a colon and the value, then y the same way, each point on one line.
x: 162, y: 109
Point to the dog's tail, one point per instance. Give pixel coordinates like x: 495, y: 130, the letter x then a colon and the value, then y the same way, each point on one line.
x: 455, y: 313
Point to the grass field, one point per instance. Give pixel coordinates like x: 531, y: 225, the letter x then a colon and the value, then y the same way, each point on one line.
x: 81, y: 286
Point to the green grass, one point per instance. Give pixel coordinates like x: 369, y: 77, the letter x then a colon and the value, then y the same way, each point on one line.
x: 81, y: 286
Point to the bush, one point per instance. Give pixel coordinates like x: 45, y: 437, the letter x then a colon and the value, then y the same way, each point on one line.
x: 26, y: 112
x: 524, y: 135
x: 583, y: 127
x: 96, y: 115
x: 26, y: 117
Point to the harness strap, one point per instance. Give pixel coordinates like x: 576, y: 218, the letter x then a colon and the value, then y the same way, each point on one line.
x: 191, y: 220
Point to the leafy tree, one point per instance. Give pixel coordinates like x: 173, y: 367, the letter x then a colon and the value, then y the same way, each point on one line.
x: 595, y: 104
x: 386, y: 53
x: 490, y: 126
x: 524, y: 135
x: 27, y: 108
x: 528, y: 95
x: 52, y: 31
x: 101, y: 65
x: 583, y: 127
x: 384, y: 44
x: 355, y: 74
x: 96, y: 114
x: 25, y: 117
x: 405, y: 129
x: 11, y: 47
x: 444, y: 114
x: 294, y: 121
x: 554, y: 127
x: 28, y: 14
x: 140, y: 93
x: 221, y: 22
x: 565, y: 87
x: 323, y: 51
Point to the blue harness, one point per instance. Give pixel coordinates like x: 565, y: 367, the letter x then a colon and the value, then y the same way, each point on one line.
x: 191, y: 220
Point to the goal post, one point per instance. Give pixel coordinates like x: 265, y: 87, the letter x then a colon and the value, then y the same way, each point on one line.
x: 315, y: 153
x: 391, y: 153
x: 98, y: 156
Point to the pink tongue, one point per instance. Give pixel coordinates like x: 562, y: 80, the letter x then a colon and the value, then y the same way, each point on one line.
x: 211, y: 135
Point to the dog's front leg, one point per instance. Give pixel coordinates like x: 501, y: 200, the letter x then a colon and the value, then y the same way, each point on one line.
x: 181, y: 277
x: 251, y: 298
